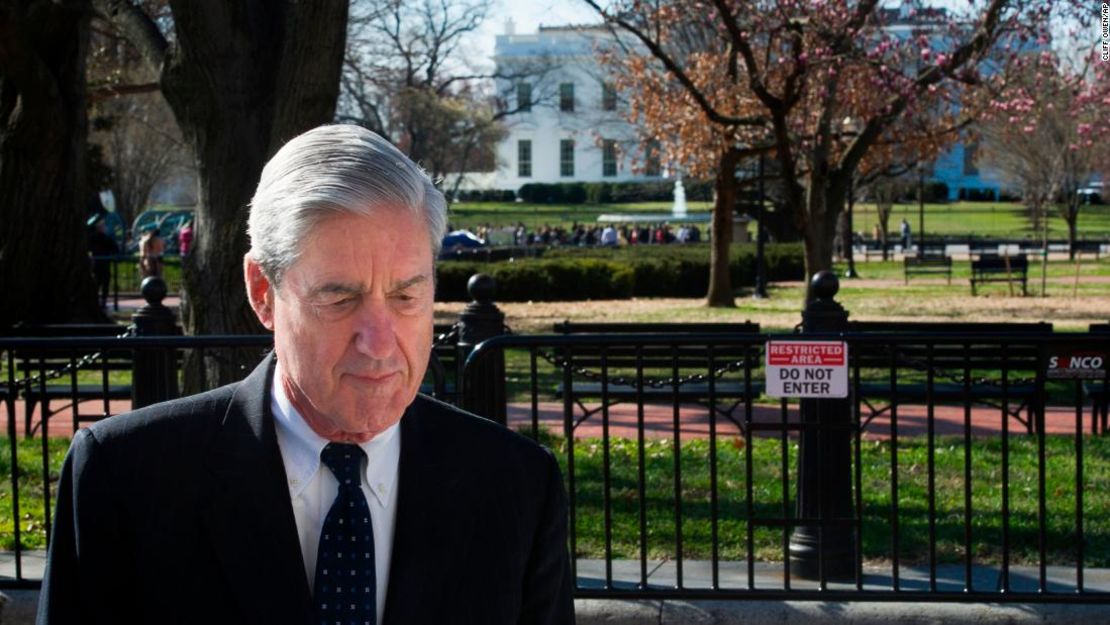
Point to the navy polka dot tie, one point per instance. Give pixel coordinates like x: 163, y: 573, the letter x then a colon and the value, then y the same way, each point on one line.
x: 346, y: 590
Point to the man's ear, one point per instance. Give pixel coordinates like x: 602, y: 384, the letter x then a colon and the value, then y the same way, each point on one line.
x: 259, y: 291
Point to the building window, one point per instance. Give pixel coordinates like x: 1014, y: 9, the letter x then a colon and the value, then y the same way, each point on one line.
x: 523, y: 97
x: 566, y: 97
x: 566, y: 157
x: 652, y: 159
x: 971, y: 154
x: 608, y: 158
x: 524, y: 158
x: 608, y: 97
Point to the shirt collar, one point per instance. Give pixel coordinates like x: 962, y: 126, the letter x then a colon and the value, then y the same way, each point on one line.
x: 301, y: 446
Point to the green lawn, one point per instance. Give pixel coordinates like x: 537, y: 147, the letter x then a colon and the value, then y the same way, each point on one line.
x: 981, y: 219
x: 913, y: 499
x: 32, y: 520
x: 767, y: 497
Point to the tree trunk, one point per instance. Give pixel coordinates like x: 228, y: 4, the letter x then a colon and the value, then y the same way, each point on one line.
x: 44, y: 264
x: 720, y: 282
x: 884, y: 228
x: 1071, y: 216
x: 244, y: 78
x: 825, y: 195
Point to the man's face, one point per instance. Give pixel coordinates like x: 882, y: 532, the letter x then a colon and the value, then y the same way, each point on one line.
x: 352, y: 321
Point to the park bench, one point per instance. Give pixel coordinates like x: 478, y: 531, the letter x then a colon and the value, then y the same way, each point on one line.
x: 441, y: 379
x: 1097, y: 391
x: 658, y: 364
x: 1001, y: 350
x: 1088, y: 247
x: 34, y: 362
x: 1006, y: 269
x: 930, y: 264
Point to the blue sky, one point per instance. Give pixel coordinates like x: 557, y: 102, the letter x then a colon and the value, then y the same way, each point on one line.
x: 528, y: 15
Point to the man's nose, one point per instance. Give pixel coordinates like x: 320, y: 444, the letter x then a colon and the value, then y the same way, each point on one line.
x: 374, y: 331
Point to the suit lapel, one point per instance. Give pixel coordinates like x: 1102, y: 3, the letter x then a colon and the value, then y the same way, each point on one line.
x: 249, y: 516
x: 429, y: 529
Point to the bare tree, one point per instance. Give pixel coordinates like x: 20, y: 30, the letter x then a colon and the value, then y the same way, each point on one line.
x: 132, y: 125
x: 242, y: 77
x: 1045, y: 137
x: 408, y: 76
x: 787, y: 76
x: 885, y: 191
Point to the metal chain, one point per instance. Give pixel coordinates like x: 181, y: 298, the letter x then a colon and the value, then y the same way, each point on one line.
x: 73, y: 366
x: 670, y: 382
x: 447, y: 336
x: 922, y: 365
x: 739, y: 365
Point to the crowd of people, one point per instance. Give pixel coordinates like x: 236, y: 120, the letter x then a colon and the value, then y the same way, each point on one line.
x: 590, y: 235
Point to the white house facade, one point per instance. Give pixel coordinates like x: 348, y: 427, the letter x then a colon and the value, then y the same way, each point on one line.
x: 573, y: 130
x: 569, y: 128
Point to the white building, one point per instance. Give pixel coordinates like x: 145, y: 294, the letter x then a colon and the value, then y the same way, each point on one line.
x: 573, y: 131
x: 569, y: 128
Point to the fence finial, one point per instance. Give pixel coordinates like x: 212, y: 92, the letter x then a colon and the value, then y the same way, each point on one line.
x: 484, y: 392
x: 154, y: 290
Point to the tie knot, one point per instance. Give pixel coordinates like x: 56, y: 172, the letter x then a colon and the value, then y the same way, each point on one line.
x: 345, y: 462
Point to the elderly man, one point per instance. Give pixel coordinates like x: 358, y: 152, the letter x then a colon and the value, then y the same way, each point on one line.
x: 322, y: 488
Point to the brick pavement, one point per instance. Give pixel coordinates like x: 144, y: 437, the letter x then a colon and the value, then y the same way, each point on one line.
x: 693, y: 420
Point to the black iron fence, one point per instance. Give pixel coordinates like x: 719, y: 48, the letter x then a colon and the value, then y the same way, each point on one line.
x: 960, y: 466
x: 699, y: 489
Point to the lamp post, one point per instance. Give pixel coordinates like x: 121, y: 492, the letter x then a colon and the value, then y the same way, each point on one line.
x: 850, y: 129
x: 760, y: 291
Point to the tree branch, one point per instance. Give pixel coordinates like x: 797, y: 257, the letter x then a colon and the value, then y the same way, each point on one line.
x: 661, y: 55
x: 104, y: 92
x: 138, y: 28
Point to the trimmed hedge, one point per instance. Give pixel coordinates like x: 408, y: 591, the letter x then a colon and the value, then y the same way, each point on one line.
x: 977, y: 195
x: 611, y: 192
x: 574, y: 274
x: 487, y: 195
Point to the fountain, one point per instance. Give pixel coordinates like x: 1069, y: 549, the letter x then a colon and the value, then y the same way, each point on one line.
x: 679, y: 208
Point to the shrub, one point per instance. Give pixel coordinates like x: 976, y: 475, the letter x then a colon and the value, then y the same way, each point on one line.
x: 650, y: 191
x: 557, y: 193
x: 599, y: 192
x: 487, y: 195
x: 937, y: 192
x: 569, y: 274
x: 977, y: 195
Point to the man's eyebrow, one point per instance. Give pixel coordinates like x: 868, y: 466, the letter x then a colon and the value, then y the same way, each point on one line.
x: 335, y: 288
x: 413, y: 281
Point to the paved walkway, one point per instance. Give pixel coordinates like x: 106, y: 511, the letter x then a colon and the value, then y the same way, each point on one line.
x: 733, y: 576
x: 659, y: 420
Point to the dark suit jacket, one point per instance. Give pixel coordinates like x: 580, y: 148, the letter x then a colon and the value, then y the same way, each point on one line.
x: 180, y: 513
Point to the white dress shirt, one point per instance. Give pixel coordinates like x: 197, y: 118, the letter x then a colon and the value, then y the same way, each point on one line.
x: 312, y: 487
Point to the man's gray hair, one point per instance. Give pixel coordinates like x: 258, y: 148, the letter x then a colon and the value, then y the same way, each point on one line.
x: 332, y: 170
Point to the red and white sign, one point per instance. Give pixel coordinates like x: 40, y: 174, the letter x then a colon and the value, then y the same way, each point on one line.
x: 807, y: 368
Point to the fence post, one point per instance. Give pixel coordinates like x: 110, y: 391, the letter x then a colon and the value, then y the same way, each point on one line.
x: 484, y: 385
x: 824, y: 490
x: 154, y: 370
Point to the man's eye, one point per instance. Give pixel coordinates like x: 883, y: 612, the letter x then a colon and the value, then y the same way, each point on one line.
x: 406, y: 299
x: 339, y: 302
